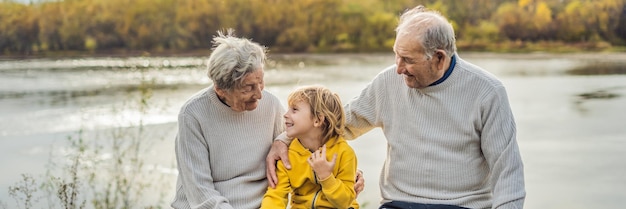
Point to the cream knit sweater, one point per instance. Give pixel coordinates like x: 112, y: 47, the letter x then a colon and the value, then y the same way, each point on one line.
x: 221, y: 153
x: 452, y: 143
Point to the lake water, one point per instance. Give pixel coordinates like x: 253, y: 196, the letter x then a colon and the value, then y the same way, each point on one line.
x: 569, y: 109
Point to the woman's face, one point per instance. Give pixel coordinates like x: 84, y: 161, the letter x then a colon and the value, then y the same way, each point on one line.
x: 246, y: 96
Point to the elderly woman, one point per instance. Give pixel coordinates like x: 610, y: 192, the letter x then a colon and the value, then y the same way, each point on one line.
x: 226, y: 130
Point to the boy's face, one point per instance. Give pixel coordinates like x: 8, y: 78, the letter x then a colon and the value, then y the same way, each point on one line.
x: 299, y: 121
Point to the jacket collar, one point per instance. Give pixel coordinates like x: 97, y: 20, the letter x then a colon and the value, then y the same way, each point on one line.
x: 301, y: 150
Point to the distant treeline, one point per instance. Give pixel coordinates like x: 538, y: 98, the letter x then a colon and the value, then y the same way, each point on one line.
x: 298, y: 25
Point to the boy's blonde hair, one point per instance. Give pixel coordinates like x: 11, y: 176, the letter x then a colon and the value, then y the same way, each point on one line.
x: 323, y: 103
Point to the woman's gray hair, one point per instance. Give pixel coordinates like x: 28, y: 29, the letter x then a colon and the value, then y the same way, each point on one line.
x: 232, y: 59
x: 431, y: 29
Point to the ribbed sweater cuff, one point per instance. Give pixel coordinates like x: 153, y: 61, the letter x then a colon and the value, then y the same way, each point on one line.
x: 329, y: 183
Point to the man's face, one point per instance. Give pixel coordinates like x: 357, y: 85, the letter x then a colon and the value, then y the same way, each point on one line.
x: 411, y: 62
x: 246, y: 96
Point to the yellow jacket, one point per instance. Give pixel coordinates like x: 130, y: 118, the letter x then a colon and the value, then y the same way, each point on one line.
x: 336, y: 191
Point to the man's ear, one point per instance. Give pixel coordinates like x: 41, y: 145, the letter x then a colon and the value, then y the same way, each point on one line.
x: 440, y: 57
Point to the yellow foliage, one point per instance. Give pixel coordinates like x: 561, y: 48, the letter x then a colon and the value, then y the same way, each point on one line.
x: 543, y: 16
x: 524, y: 3
x: 91, y: 44
x: 289, y: 25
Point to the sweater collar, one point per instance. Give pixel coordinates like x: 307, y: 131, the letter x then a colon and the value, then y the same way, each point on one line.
x: 448, y: 79
x: 448, y: 72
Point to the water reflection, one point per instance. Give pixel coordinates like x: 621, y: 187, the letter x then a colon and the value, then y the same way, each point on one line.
x: 69, y: 79
x: 600, y: 68
x: 581, y: 99
x: 104, y: 63
x: 600, y: 94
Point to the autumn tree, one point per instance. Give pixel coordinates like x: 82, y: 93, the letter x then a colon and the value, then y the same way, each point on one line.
x: 18, y: 28
x: 293, y: 26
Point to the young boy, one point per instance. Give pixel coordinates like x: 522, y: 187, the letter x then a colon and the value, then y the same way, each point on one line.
x: 324, y: 165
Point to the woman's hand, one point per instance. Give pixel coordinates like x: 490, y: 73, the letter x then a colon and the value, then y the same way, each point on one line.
x: 279, y: 151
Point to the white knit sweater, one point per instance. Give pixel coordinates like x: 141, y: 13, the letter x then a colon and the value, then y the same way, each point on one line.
x: 453, y: 143
x: 221, y: 153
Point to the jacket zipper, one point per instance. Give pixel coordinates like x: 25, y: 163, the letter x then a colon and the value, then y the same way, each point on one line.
x: 316, y: 193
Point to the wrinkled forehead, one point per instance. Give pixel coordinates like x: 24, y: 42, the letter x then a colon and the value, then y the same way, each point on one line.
x: 407, y: 43
x: 250, y: 78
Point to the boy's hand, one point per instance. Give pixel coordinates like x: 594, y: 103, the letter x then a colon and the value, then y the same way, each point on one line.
x: 320, y: 165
